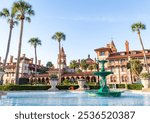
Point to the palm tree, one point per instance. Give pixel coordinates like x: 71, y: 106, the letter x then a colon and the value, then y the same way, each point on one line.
x: 11, y: 19
x: 24, y: 11
x: 58, y: 36
x: 35, y: 42
x: 136, y: 27
x: 74, y: 64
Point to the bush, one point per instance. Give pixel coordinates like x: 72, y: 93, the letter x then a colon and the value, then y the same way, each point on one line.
x: 135, y: 86
x: 94, y: 87
x: 66, y: 87
x: 23, y: 87
x: 117, y: 85
x: 145, y: 75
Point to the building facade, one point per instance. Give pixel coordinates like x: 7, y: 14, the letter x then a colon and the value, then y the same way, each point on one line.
x: 117, y: 62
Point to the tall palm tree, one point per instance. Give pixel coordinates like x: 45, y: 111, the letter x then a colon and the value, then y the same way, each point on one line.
x: 59, y: 36
x: 24, y: 11
x: 35, y: 42
x: 10, y: 16
x: 136, y: 27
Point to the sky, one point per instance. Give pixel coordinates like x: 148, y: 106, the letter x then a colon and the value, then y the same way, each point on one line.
x: 87, y: 24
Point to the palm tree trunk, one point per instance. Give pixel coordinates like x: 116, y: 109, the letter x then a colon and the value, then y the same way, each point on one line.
x: 35, y: 64
x: 59, y: 63
x: 8, y: 47
x: 19, y: 52
x: 145, y: 59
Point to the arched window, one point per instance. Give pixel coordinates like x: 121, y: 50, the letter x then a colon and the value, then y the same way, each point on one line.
x: 113, y: 78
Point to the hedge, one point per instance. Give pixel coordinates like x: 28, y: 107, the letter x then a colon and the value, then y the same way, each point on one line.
x: 63, y: 87
x: 135, y: 86
x: 117, y: 85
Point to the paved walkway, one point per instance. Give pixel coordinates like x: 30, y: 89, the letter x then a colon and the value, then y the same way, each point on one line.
x: 146, y: 90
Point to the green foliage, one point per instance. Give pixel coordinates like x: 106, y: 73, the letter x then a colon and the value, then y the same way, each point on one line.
x: 66, y: 87
x: 11, y: 87
x: 53, y: 76
x: 79, y: 71
x: 90, y: 67
x: 35, y: 42
x: 59, y: 36
x: 145, y: 75
x: 49, y: 64
x: 66, y: 82
x: 42, y: 70
x: 135, y: 66
x: 117, y: 85
x: 83, y: 64
x: 138, y: 26
x: 135, y: 86
x: 94, y: 87
x: 74, y: 64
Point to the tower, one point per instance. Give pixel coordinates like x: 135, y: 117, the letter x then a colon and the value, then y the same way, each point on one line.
x: 62, y: 58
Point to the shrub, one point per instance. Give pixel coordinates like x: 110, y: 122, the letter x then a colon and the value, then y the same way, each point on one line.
x: 145, y: 75
x: 23, y: 87
x: 66, y: 87
x: 117, y: 85
x: 135, y: 86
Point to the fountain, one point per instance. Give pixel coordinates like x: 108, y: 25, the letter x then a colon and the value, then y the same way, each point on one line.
x: 53, y: 83
x: 104, y: 89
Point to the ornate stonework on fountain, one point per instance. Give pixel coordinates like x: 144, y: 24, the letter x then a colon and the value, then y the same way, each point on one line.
x: 104, y: 90
x: 53, y: 83
x: 82, y: 85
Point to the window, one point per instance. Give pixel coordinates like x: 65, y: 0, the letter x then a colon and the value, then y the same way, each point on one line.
x: 113, y: 78
x: 113, y: 69
x: 102, y: 53
x: 123, y: 69
x: 124, y: 78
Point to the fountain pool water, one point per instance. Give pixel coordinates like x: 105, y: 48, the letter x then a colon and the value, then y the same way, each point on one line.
x: 76, y: 98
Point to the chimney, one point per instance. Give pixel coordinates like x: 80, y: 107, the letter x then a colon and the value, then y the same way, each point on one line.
x: 127, y: 47
x: 39, y: 62
x: 11, y: 59
x: 31, y: 60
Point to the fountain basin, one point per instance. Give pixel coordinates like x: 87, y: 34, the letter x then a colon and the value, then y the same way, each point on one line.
x: 110, y: 94
x: 53, y: 83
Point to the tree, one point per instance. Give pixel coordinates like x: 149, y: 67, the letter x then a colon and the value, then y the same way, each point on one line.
x: 23, y: 11
x: 74, y: 64
x: 11, y: 19
x: 136, y: 27
x: 35, y: 42
x: 49, y: 64
x: 135, y: 67
x: 83, y: 64
x: 91, y: 67
x: 59, y: 36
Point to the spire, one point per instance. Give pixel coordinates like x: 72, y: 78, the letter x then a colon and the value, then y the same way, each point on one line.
x: 113, y: 47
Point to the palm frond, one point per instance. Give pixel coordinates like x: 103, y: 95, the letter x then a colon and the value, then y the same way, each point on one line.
x: 35, y: 41
x: 4, y: 13
x: 28, y: 19
x: 138, y: 26
x: 59, y: 36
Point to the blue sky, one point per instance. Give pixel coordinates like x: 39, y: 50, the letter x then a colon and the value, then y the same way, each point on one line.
x: 88, y: 24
